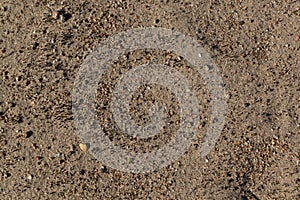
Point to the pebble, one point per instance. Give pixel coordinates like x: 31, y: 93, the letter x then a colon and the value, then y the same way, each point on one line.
x: 28, y: 134
x: 2, y: 51
x: 55, y: 14
x: 62, y: 18
x: 103, y: 169
x: 62, y: 15
x: 29, y: 177
x: 3, y: 143
x: 83, y: 147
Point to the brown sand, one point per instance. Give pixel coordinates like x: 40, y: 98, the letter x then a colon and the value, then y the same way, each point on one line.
x: 255, y: 44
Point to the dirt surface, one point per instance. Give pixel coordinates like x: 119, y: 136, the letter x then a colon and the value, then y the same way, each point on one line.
x: 255, y: 44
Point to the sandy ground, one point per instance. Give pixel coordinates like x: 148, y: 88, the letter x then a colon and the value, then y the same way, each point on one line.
x: 255, y: 44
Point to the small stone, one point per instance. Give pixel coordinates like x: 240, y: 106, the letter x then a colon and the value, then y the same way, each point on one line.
x: 28, y: 134
x: 3, y: 143
x: 62, y: 15
x: 6, y: 175
x: 4, y: 8
x: 65, y: 17
x: 208, y: 67
x: 29, y: 177
x: 34, y: 146
x: 241, y: 23
x: 55, y: 14
x: 2, y: 51
x: 37, y: 158
x: 62, y: 18
x: 103, y: 169
x: 83, y: 147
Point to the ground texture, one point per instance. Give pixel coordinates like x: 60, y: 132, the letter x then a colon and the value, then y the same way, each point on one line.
x: 255, y: 44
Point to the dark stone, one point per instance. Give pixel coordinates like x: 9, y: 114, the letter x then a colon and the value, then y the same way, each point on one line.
x: 28, y: 134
